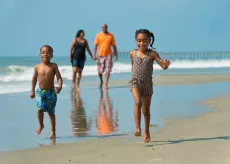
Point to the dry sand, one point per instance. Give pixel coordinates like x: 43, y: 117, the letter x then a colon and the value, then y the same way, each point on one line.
x: 199, y: 140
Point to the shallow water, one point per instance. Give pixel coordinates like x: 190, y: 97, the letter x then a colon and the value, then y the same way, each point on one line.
x: 94, y: 113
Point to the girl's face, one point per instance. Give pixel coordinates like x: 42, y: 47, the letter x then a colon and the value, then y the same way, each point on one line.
x: 82, y: 35
x: 142, y: 41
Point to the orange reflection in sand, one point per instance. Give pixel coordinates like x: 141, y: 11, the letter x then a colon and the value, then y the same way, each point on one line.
x: 105, y: 123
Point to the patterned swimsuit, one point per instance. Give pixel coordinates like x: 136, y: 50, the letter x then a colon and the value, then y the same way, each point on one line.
x: 142, y: 75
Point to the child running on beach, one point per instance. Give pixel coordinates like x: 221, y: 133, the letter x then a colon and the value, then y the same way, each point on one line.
x: 46, y: 93
x: 141, y: 80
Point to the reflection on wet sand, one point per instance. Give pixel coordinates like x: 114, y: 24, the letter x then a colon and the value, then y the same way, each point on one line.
x: 105, y: 123
x: 80, y: 124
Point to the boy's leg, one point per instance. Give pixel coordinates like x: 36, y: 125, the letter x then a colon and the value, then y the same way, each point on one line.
x: 53, y: 125
x: 137, y: 110
x: 146, y: 102
x: 40, y: 121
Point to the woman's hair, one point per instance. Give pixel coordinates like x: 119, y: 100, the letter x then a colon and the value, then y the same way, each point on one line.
x: 79, y: 32
x: 148, y: 33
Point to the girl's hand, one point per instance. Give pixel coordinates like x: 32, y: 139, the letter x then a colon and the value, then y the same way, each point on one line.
x: 167, y: 62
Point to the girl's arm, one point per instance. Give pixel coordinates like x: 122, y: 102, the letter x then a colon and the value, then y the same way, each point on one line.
x: 164, y: 64
x: 131, y: 58
x: 71, y: 50
x: 88, y: 49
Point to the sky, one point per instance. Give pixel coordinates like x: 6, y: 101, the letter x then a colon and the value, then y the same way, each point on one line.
x: 178, y: 25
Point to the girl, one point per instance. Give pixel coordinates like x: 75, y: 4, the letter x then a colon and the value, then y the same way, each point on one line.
x: 78, y: 57
x: 141, y: 79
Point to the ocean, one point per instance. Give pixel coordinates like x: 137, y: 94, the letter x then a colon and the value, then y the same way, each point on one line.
x: 95, y: 113
x: 16, y: 72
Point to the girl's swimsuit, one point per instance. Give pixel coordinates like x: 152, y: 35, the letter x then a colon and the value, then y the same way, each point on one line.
x: 141, y: 78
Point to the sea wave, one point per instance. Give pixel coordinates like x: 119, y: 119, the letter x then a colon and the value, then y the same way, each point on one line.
x: 15, y: 73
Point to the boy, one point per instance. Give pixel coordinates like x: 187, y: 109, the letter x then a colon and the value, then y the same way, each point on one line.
x: 46, y: 93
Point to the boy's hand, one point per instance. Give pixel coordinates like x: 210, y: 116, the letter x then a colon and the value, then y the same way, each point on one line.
x: 32, y: 95
x: 58, y: 89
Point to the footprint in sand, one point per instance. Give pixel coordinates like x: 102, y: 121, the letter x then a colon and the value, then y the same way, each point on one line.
x: 155, y: 160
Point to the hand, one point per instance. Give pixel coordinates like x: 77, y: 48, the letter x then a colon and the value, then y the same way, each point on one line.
x: 71, y: 60
x: 32, y: 95
x: 58, y: 89
x: 94, y: 57
x: 116, y: 58
x: 167, y: 62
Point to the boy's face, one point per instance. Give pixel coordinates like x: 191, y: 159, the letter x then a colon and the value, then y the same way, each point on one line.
x: 142, y: 41
x: 46, y: 54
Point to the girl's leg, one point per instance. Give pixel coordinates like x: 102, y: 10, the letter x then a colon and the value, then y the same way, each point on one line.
x: 146, y: 102
x: 53, y: 125
x: 79, y: 79
x: 74, y: 76
x: 137, y: 110
x: 40, y: 121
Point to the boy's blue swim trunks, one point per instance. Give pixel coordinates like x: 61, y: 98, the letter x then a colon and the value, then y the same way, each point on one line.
x: 46, y: 100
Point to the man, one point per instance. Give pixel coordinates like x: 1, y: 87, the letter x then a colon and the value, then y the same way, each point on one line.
x: 104, y: 41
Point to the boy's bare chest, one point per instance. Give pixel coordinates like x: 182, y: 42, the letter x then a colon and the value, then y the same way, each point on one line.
x: 46, y: 71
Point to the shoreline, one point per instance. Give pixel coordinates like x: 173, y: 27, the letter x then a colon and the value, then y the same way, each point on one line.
x: 163, y: 80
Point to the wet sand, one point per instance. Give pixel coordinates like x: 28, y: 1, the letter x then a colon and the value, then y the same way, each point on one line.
x: 177, y: 80
x: 198, y: 140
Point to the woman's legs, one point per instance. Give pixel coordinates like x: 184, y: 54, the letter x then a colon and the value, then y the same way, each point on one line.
x: 74, y: 76
x: 78, y: 79
x: 137, y: 110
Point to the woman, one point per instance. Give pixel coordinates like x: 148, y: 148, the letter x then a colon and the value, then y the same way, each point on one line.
x: 78, y: 57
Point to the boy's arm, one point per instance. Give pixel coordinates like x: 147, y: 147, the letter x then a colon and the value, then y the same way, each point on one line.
x: 164, y: 64
x: 59, y: 78
x: 34, y: 82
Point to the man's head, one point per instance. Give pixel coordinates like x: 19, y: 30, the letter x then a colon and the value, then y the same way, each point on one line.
x: 104, y: 28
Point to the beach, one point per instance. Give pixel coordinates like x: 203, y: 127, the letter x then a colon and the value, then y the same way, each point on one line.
x: 196, y: 139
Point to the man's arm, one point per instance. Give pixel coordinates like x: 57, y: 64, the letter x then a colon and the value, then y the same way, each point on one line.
x: 59, y: 78
x: 114, y: 47
x: 115, y: 52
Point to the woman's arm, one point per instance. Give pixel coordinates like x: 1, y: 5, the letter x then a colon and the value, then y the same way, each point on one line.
x: 88, y: 49
x: 71, y: 50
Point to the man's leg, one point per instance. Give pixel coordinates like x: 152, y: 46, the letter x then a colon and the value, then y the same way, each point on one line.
x: 108, y: 66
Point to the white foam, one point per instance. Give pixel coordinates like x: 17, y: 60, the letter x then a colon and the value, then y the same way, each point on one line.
x: 23, y: 73
x: 17, y: 88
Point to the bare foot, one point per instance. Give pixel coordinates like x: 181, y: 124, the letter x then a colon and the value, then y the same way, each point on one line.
x: 39, y: 130
x: 137, y: 133
x: 77, y: 89
x: 52, y: 135
x: 147, y: 137
x: 101, y: 84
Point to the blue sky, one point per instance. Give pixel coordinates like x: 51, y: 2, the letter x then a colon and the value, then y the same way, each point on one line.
x: 178, y: 25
